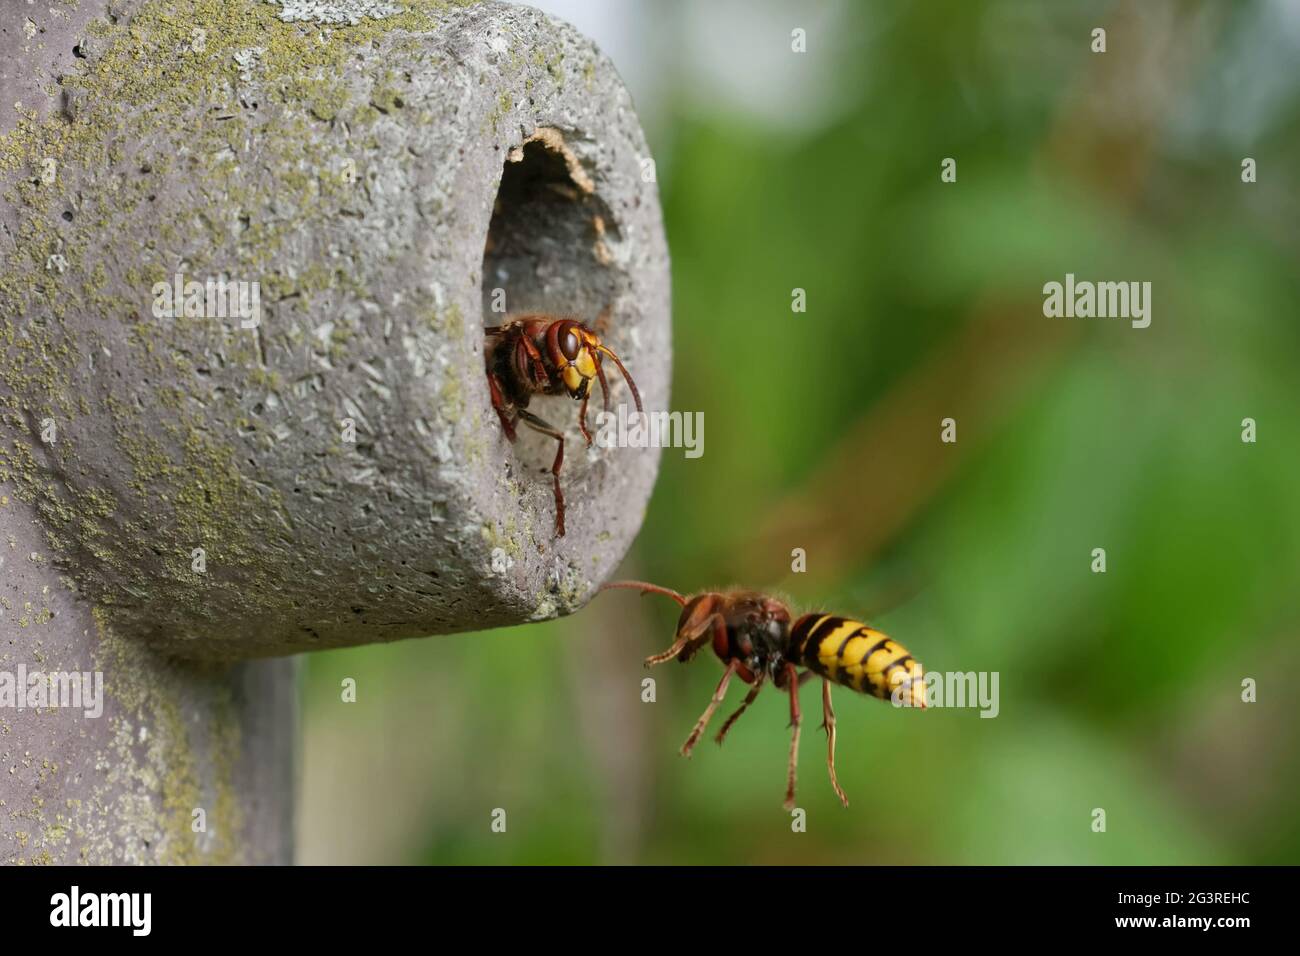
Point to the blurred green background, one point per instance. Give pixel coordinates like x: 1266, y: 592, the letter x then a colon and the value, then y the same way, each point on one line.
x: 821, y: 171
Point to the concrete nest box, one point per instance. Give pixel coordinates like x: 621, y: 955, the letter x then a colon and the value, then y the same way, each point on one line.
x: 249, y: 250
x: 256, y: 243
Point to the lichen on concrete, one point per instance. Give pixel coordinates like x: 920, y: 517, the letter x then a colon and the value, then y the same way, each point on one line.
x: 346, y: 156
x: 221, y: 162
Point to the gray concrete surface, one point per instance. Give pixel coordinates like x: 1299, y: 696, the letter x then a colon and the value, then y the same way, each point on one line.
x: 180, y: 493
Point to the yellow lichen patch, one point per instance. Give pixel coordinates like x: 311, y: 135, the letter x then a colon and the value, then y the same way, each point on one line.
x: 178, y: 712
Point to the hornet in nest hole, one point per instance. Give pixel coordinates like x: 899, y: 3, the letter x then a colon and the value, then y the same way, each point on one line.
x: 539, y: 354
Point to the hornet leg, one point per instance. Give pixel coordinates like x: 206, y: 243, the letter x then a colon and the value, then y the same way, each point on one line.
x: 749, y: 699
x: 683, y: 644
x: 698, y: 630
x: 703, y: 722
x: 534, y: 362
x: 792, y: 681
x: 582, y: 418
x: 828, y: 723
x: 499, y: 403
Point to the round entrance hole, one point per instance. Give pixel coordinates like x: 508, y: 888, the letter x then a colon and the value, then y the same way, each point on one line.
x: 551, y: 249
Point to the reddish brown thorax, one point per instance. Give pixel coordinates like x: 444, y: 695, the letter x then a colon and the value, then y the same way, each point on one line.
x: 756, y: 630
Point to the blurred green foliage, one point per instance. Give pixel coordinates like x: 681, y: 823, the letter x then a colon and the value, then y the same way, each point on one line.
x: 1120, y: 690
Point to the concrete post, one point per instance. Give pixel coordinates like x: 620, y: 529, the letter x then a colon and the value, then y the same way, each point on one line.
x: 298, y: 450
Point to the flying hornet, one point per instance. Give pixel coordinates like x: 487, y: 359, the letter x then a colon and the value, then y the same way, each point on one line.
x: 753, y: 636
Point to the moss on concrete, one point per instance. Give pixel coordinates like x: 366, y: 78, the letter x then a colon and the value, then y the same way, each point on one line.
x: 127, y: 136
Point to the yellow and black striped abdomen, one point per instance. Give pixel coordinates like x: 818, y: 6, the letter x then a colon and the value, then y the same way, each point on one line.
x: 857, y: 656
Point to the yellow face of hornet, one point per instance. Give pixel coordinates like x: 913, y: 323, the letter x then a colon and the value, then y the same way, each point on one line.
x: 578, y: 369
